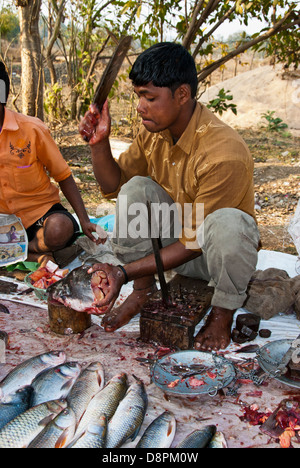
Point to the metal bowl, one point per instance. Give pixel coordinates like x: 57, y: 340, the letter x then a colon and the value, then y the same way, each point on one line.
x: 217, y: 372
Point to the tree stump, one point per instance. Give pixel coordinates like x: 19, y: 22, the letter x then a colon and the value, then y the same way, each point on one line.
x: 66, y: 321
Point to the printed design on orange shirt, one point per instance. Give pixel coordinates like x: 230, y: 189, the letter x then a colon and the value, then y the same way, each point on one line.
x: 20, y: 152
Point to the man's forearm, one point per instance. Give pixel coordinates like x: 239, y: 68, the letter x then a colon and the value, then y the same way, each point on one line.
x: 72, y: 194
x: 106, y: 169
x: 172, y: 256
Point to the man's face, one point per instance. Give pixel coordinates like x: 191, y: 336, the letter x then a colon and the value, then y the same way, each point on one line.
x: 158, y: 108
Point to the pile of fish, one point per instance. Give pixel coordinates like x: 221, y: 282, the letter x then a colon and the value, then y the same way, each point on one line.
x: 47, y: 402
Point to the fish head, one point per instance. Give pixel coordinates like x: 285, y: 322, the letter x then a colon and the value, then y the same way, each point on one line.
x: 54, y: 358
x: 70, y: 369
x: 80, y: 290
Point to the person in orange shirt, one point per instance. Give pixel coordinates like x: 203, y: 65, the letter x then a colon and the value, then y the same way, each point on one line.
x: 28, y: 158
x: 183, y: 156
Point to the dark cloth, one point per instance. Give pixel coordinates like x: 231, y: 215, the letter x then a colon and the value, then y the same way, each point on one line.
x: 57, y: 208
x: 271, y: 292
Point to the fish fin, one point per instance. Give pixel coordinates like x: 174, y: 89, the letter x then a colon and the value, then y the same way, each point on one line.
x: 67, y: 385
x: 62, y: 440
x: 134, y: 435
x: 46, y: 420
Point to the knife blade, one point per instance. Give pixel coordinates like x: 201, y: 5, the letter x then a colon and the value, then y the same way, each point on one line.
x: 111, y: 71
x: 110, y: 74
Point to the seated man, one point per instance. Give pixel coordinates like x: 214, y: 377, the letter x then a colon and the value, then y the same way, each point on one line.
x: 27, y: 151
x: 183, y: 155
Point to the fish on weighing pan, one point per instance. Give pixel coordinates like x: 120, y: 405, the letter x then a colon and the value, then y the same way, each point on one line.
x: 80, y: 290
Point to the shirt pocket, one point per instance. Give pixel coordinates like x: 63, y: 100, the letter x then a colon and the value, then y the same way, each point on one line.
x: 29, y: 177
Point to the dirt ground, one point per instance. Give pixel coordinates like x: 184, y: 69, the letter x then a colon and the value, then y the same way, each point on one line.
x: 276, y: 180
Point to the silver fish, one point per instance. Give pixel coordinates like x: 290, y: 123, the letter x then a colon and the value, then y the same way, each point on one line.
x: 89, y: 382
x: 24, y: 373
x: 128, y: 418
x: 94, y: 436
x: 14, y: 404
x: 160, y: 433
x: 218, y: 441
x: 55, y: 383
x: 199, y: 438
x: 19, y: 432
x: 80, y: 290
x: 105, y: 401
x: 58, y: 433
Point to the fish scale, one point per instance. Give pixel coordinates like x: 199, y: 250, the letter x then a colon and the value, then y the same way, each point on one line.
x: 24, y: 428
x: 94, y: 436
x: 129, y: 416
x: 105, y: 401
x: 89, y: 382
x: 160, y: 433
x: 58, y: 432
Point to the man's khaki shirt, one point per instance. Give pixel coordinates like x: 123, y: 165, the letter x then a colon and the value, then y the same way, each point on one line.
x: 210, y: 164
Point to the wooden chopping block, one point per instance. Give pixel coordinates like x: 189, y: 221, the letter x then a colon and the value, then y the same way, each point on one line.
x: 174, y: 326
x: 66, y: 321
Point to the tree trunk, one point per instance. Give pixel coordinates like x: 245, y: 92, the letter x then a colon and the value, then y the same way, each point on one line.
x: 31, y: 58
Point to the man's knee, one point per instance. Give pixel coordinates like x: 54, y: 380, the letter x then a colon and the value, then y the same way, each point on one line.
x: 228, y: 228
x: 58, y: 230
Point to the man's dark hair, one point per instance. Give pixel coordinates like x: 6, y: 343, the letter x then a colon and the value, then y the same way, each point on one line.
x: 165, y: 64
x: 4, y: 77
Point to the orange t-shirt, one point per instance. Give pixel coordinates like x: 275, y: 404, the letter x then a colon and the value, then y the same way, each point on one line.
x: 28, y: 158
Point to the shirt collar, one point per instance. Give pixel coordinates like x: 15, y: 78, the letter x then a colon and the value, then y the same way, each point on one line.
x: 10, y: 122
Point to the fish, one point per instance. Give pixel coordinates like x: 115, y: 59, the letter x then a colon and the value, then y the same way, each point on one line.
x: 129, y: 416
x: 58, y: 433
x: 199, y: 438
x: 19, y: 432
x: 94, y: 436
x: 80, y: 290
x: 105, y: 401
x: 218, y: 441
x: 24, y: 373
x: 89, y: 382
x: 14, y: 404
x: 160, y: 433
x: 55, y: 383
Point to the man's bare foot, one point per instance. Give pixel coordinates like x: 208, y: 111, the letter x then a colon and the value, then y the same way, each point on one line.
x: 132, y: 306
x: 216, y: 333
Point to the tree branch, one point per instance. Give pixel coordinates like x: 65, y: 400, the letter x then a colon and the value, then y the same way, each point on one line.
x: 280, y: 26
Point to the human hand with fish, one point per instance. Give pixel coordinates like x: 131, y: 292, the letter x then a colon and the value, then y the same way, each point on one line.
x: 95, y: 126
x: 114, y: 282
